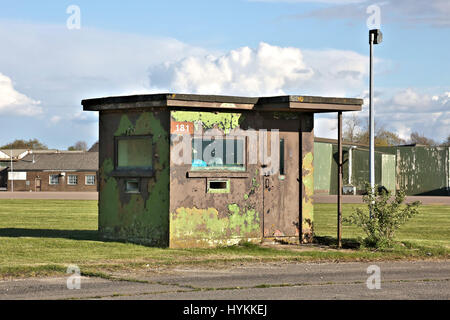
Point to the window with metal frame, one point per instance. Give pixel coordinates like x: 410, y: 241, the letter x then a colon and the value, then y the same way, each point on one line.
x: 134, y: 153
x: 219, y: 154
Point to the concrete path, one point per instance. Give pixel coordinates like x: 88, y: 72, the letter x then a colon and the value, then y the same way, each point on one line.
x: 269, y: 281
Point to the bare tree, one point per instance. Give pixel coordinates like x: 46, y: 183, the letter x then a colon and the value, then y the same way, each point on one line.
x: 383, y: 137
x: 79, y: 145
x: 352, y: 128
x: 446, y: 143
x: 421, y: 139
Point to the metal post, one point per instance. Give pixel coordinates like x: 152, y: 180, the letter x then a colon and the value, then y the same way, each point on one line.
x: 350, y: 164
x: 371, y: 119
x: 375, y: 37
x: 339, y: 200
x: 12, y: 172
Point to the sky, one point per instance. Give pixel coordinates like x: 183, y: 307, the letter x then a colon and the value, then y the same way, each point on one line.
x: 53, y: 54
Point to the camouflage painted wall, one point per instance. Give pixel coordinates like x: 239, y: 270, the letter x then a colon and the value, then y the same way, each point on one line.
x: 175, y: 204
x: 143, y: 216
x: 200, y: 218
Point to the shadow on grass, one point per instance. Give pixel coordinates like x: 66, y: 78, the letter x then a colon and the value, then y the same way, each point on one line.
x: 92, y: 235
x: 89, y: 235
x: 332, y: 242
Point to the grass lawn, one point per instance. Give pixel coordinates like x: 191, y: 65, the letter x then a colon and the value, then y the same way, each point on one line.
x: 40, y: 237
x: 431, y: 228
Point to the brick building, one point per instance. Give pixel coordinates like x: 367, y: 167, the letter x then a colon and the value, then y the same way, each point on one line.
x: 55, y: 171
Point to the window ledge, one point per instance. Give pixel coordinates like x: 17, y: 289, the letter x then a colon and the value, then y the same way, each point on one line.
x: 217, y: 174
x: 132, y: 173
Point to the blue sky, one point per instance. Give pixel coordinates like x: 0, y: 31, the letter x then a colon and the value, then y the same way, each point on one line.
x: 219, y: 47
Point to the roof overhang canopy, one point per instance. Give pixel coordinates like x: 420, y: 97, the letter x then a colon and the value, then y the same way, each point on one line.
x: 293, y: 103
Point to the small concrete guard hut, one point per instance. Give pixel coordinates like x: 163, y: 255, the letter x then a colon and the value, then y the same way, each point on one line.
x: 184, y: 170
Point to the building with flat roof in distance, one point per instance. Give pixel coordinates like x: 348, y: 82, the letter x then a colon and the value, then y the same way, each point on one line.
x: 184, y: 170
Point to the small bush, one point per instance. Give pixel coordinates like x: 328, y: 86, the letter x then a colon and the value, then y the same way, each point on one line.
x: 387, y: 215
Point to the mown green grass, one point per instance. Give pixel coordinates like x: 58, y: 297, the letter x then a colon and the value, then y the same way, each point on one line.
x: 430, y: 228
x: 39, y: 237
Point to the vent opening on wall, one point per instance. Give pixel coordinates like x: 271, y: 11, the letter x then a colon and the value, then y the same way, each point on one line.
x: 221, y: 186
x: 217, y: 185
x: 132, y: 186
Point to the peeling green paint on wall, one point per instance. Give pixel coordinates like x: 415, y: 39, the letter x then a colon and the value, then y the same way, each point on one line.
x: 139, y: 217
x: 125, y: 126
x: 109, y: 202
x: 308, y: 177
x: 307, y: 217
x: 307, y: 201
x: 223, y: 120
x: 203, y: 227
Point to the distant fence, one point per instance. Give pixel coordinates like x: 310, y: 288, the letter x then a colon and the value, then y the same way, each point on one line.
x: 422, y: 170
x: 419, y: 170
x: 355, y: 158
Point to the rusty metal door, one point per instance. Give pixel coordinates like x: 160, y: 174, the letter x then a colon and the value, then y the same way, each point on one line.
x: 282, y: 188
x: 38, y: 184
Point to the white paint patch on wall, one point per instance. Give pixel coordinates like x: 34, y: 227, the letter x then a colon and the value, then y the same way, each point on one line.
x: 17, y: 175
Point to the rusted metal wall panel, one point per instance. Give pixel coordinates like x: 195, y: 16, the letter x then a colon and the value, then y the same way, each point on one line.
x: 142, y: 216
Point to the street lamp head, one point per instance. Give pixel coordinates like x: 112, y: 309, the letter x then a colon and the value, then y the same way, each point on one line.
x: 376, y: 36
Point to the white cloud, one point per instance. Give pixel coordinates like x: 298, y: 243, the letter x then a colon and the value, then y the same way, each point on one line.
x: 66, y: 64
x: 421, y: 112
x: 55, y: 119
x: 265, y: 70
x: 408, y: 110
x: 14, y: 102
x: 325, y: 127
x: 60, y: 67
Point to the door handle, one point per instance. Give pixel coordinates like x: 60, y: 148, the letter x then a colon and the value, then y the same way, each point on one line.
x: 266, y: 183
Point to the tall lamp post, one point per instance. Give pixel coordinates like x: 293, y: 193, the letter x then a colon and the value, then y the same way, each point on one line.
x: 375, y: 37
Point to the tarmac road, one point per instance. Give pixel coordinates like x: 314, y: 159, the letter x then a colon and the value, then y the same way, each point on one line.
x: 268, y: 281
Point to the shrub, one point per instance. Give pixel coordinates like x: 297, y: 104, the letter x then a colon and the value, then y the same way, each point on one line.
x: 387, y: 215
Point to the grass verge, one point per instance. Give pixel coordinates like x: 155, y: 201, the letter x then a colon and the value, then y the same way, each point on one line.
x: 43, y: 237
